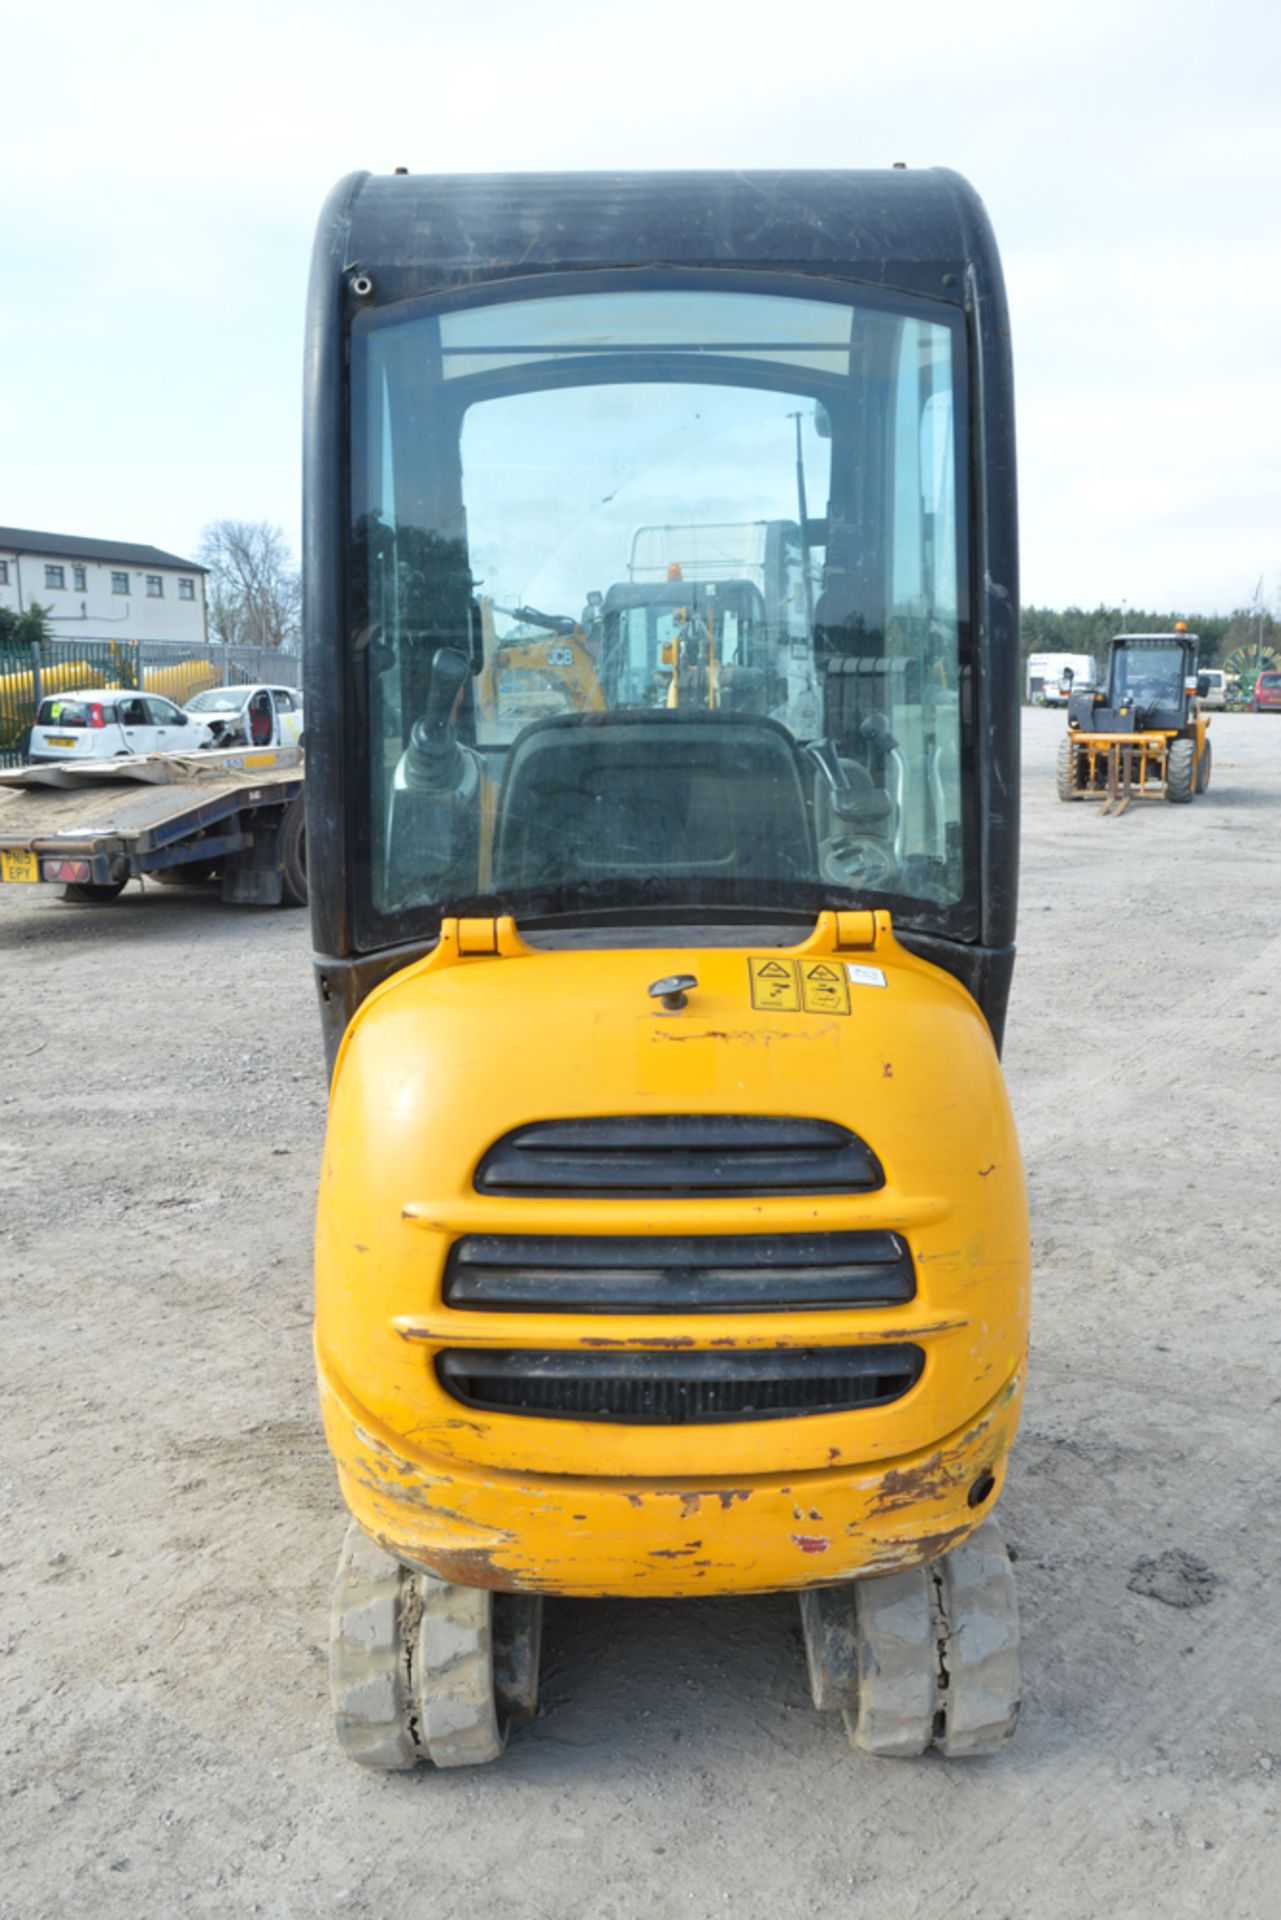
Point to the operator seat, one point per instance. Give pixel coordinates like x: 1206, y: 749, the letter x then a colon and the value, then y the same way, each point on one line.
x: 657, y: 797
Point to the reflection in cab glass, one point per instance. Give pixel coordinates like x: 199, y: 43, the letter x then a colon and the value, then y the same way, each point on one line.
x: 658, y: 603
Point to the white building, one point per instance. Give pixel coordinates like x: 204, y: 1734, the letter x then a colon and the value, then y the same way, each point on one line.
x: 103, y: 589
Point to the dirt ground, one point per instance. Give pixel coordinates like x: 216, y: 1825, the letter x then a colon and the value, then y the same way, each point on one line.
x: 169, y: 1519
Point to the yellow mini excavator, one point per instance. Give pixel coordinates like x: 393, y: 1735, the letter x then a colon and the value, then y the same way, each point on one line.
x: 672, y: 1236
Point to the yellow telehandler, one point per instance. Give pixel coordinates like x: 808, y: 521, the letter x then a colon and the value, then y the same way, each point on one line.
x: 1143, y: 735
x: 671, y: 1235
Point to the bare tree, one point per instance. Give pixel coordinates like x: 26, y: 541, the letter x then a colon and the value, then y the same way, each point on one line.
x: 254, y: 593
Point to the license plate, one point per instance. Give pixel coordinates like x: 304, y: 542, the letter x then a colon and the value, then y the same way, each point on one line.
x: 19, y: 866
x: 55, y: 741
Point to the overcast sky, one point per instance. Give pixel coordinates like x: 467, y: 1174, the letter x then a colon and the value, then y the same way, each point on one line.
x: 164, y: 168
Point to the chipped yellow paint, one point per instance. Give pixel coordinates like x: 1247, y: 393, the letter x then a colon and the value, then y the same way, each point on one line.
x: 448, y: 1055
x: 588, y: 1535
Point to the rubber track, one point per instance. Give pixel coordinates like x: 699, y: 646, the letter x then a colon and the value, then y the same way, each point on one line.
x: 892, y: 1713
x: 454, y: 1674
x: 938, y: 1655
x: 410, y: 1664
x: 978, y: 1616
x: 368, y: 1657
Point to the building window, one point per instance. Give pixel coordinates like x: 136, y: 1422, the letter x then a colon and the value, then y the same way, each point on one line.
x: 120, y: 583
x: 155, y: 586
x: 78, y: 579
x: 186, y: 589
x: 55, y: 576
x: 4, y: 573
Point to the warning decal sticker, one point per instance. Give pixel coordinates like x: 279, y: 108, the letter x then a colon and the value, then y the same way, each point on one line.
x: 798, y: 986
x: 776, y: 986
x: 823, y: 987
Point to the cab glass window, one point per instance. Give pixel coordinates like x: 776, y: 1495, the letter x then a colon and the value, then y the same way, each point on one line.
x: 659, y: 603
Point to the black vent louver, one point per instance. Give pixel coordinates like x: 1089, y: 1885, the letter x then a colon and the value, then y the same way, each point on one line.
x: 677, y: 1273
x: 665, y: 1156
x: 680, y: 1389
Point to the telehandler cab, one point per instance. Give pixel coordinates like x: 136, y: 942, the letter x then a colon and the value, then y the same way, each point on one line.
x: 672, y: 1234
x: 1143, y: 735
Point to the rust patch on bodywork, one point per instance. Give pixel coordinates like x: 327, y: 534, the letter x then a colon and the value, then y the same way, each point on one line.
x: 690, y: 1502
x: 674, y: 1553
x: 897, y: 1556
x: 465, y: 1566
x: 746, y: 1036
x: 811, y: 1542
x: 900, y: 1487
x: 421, y: 1500
x: 708, y: 1033
x: 936, y: 1478
x: 664, y: 1343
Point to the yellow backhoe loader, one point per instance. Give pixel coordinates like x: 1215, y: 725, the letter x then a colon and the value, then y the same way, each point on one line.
x: 524, y: 678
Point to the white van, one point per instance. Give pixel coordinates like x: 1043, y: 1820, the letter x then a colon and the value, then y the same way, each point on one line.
x: 1053, y: 677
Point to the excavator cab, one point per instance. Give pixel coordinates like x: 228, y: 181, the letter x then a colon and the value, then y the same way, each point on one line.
x: 671, y: 1236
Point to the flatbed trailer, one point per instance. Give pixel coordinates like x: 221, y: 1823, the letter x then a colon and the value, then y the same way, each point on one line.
x: 91, y: 828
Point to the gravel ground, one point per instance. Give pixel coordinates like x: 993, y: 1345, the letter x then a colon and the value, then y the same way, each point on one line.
x: 169, y: 1519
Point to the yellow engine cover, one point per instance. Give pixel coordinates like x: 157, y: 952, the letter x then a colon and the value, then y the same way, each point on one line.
x: 489, y: 1034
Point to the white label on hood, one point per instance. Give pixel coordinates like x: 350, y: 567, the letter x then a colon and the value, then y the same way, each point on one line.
x: 865, y: 976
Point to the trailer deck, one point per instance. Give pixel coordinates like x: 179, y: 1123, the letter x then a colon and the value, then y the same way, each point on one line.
x: 130, y: 817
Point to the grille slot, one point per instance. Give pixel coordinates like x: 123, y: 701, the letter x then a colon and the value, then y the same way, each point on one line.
x: 679, y: 1273
x: 680, y: 1389
x: 666, y: 1155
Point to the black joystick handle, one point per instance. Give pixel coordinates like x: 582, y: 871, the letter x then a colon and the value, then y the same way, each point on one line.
x: 434, y: 754
x: 449, y: 670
